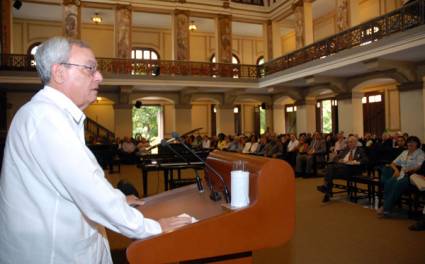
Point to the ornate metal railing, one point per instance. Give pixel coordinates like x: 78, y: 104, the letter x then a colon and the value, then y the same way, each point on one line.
x: 404, y: 18
x: 176, y: 68
x: 251, y: 2
x: 401, y: 19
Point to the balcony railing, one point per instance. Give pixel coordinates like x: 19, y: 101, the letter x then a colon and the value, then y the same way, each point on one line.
x: 404, y: 18
x: 250, y: 2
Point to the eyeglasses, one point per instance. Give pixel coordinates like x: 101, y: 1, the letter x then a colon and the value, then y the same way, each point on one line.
x: 92, y: 69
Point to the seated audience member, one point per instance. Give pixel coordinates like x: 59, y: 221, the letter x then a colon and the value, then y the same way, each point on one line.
x: 408, y: 162
x: 316, y: 148
x: 254, y: 144
x: 235, y: 145
x: 213, y: 142
x: 261, y: 146
x: 206, y: 142
x: 348, y: 162
x: 340, y: 145
x: 292, y: 149
x: 223, y: 143
x: 142, y: 146
x: 301, y: 158
x: 247, y: 147
x: 197, y: 142
x: 418, y: 180
x: 274, y: 149
x: 127, y: 151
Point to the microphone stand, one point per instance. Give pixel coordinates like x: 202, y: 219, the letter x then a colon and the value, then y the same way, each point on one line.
x: 215, y: 196
x: 197, y: 178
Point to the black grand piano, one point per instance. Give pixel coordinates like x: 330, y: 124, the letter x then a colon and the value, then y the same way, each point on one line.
x: 169, y: 162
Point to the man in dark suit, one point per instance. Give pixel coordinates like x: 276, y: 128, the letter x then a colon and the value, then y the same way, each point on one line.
x: 348, y: 162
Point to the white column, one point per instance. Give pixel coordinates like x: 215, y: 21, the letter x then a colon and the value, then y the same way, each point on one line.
x: 350, y: 114
x: 306, y: 117
x: 279, y: 119
x: 225, y: 120
x: 183, y: 117
x: 123, y: 120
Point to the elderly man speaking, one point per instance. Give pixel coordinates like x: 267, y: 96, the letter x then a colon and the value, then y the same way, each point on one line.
x: 54, y: 198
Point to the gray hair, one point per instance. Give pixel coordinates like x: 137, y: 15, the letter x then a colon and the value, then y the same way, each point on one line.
x: 54, y: 51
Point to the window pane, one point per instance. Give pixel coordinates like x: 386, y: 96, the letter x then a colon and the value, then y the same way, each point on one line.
x: 154, y: 56
x: 326, y: 116
x: 139, y: 54
x: 33, y: 50
x: 364, y: 100
x: 146, y: 54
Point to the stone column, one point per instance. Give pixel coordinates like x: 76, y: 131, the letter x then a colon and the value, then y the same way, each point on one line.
x: 279, y: 119
x: 123, y: 113
x: 342, y: 15
x: 183, y: 114
x: 72, y: 18
x: 224, y: 39
x: 306, y: 115
x: 123, y: 31
x: 5, y: 26
x: 350, y: 113
x: 412, y: 102
x: 225, y: 119
x: 268, y: 37
x: 181, y: 36
x: 303, y: 23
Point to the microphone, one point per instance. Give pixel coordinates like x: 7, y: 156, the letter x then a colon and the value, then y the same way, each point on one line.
x: 197, y: 178
x: 215, y: 196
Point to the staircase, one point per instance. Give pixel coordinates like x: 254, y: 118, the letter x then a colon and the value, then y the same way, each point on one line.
x: 96, y: 131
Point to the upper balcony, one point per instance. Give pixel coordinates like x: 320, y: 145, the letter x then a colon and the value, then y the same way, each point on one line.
x: 396, y: 36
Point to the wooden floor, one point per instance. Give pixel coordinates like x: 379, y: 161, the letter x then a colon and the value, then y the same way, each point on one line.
x: 336, y: 232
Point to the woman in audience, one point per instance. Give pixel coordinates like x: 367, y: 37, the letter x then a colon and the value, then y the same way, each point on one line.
x: 206, y: 142
x: 223, y: 143
x: 408, y: 162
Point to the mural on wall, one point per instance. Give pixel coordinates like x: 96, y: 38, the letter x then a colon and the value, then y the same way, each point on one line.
x: 123, y: 26
x: 342, y: 15
x: 299, y: 26
x: 182, y: 36
x: 225, y: 29
x: 71, y: 25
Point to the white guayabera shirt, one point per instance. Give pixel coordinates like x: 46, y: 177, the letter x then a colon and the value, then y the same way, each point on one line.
x: 54, y: 198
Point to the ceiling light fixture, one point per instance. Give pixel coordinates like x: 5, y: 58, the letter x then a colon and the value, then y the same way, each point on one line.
x: 192, y: 26
x: 96, y: 18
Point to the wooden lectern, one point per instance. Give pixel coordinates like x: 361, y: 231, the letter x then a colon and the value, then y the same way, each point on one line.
x: 222, y: 234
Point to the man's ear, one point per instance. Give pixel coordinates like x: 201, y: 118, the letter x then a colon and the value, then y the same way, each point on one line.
x: 58, y: 73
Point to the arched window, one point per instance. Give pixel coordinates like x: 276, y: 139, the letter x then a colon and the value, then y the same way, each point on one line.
x: 141, y: 68
x: 31, y: 52
x: 144, y: 54
x: 260, y: 60
x: 235, y: 59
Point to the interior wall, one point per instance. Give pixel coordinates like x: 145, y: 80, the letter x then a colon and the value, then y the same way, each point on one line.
x: 201, y: 117
x: 100, y: 38
x: 27, y: 32
x: 288, y: 42
x: 102, y: 113
x: 412, y: 102
x: 248, y: 119
x: 324, y: 26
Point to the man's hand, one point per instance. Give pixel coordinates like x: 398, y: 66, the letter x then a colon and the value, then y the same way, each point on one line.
x: 134, y: 201
x: 168, y: 224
